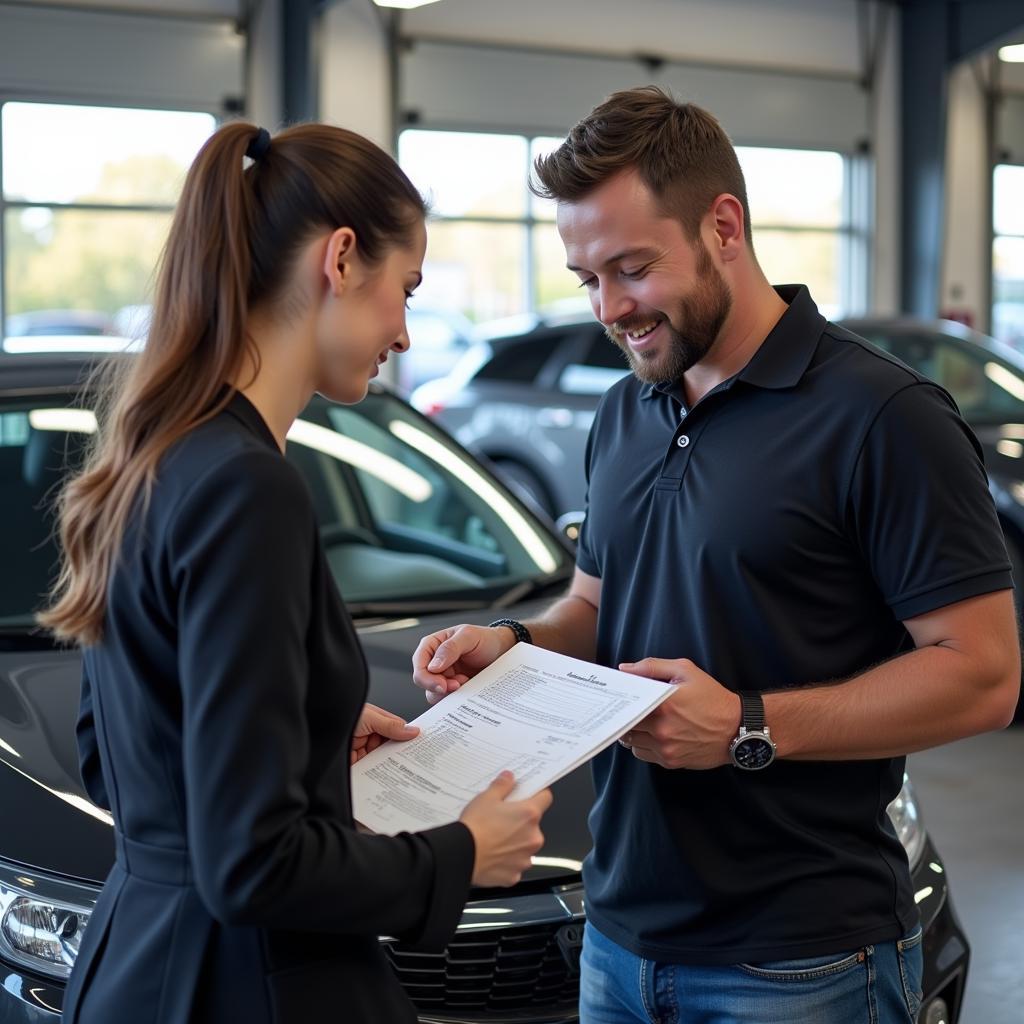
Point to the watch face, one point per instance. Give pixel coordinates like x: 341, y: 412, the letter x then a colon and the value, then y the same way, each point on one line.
x: 753, y: 752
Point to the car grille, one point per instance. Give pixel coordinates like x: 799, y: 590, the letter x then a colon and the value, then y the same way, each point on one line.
x: 492, y: 975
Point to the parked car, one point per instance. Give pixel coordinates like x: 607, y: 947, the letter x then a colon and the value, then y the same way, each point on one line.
x: 419, y: 534
x: 59, y: 321
x: 526, y: 401
x: 439, y: 339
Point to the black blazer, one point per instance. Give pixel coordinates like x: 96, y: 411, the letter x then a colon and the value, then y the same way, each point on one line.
x: 216, y: 723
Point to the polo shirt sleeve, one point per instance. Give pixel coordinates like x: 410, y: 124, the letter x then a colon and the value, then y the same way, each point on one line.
x: 920, y: 508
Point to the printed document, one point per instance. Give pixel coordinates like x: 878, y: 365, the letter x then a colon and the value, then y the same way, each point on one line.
x: 533, y: 712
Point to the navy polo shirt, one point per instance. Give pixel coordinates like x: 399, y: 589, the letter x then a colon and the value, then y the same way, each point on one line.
x: 777, y: 534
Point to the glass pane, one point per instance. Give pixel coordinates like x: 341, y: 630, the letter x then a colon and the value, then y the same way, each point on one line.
x: 1008, y: 200
x: 803, y: 257
x: 556, y: 289
x: 70, y: 269
x: 465, y: 174
x: 792, y: 186
x: 117, y: 155
x: 543, y: 209
x: 1008, y: 290
x: 437, y: 522
x: 474, y: 269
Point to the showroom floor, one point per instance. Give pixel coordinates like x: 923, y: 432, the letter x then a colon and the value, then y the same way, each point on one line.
x: 972, y: 800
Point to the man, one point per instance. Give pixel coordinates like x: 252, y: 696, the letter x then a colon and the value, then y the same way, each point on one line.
x: 796, y: 529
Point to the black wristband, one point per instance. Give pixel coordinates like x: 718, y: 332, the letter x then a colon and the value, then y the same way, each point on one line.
x: 521, y: 632
x: 752, y: 704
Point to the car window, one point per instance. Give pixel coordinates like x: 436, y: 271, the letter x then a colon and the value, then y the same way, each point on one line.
x: 603, y: 364
x: 981, y: 385
x: 519, y: 360
x: 35, y: 451
x: 404, y: 513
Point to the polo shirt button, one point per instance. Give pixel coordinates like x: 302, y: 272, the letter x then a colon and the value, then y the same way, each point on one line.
x: 683, y: 440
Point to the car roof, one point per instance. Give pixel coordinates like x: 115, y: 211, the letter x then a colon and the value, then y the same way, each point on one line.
x: 948, y: 328
x: 46, y: 371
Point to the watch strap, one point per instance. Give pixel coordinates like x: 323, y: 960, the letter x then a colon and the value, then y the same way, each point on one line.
x: 522, y: 633
x: 752, y: 704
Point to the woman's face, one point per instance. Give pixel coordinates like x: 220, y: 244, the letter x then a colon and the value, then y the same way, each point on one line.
x: 358, y: 328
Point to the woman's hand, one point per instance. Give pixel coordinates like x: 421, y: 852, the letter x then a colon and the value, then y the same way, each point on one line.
x: 375, y: 726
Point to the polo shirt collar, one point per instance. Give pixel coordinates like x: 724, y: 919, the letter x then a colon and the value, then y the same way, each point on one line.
x: 784, y: 355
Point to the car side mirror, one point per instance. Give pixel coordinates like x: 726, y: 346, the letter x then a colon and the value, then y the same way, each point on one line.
x: 569, y: 524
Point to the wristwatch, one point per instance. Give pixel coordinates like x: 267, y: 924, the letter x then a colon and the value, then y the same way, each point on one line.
x: 753, y: 747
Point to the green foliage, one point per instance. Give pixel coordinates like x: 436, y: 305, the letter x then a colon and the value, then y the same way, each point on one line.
x: 92, y: 259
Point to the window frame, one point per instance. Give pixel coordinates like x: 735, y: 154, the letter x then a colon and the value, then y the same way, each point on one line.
x: 854, y: 231
x: 92, y: 207
x: 995, y: 236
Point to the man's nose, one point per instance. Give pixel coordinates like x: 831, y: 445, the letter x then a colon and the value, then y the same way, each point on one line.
x: 612, y: 304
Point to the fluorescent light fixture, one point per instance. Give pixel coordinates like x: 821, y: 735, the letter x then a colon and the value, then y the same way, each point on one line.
x: 462, y: 470
x: 1003, y: 378
x: 1012, y: 54
x: 404, y: 5
x: 1011, y: 449
x: 390, y: 471
x: 76, y: 421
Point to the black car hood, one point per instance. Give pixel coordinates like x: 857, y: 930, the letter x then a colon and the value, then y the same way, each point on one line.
x: 51, y: 824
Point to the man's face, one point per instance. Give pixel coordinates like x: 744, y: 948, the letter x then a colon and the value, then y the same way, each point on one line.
x: 659, y: 294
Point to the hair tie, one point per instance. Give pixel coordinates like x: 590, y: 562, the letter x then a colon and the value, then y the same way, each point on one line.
x: 258, y: 145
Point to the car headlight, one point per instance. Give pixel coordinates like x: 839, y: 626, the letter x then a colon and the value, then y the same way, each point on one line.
x: 907, y: 820
x: 42, y: 920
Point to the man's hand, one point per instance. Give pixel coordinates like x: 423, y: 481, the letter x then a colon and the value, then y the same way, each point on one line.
x: 445, y: 660
x: 375, y: 726
x: 694, y: 727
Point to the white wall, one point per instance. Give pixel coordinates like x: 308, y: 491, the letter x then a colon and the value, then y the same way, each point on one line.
x: 968, y: 222
x: 885, y: 115
x: 812, y: 34
x: 82, y: 56
x: 263, y: 74
x: 355, y: 88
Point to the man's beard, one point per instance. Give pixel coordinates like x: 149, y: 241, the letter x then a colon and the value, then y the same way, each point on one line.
x: 700, y: 316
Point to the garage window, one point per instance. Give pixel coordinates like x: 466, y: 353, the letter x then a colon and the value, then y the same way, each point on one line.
x: 1008, y: 255
x: 85, y: 205
x: 494, y: 251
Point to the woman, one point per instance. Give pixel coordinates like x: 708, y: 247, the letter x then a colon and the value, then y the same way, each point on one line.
x: 223, y: 682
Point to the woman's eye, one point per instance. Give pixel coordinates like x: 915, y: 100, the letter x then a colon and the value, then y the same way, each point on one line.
x: 589, y: 283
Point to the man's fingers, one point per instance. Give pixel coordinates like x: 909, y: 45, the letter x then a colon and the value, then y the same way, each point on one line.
x: 665, y: 669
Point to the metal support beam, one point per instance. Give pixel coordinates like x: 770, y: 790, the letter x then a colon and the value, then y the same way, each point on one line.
x: 924, y: 64
x: 300, y: 64
x: 936, y: 34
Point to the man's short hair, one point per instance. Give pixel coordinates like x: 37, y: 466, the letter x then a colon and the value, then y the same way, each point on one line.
x: 680, y: 150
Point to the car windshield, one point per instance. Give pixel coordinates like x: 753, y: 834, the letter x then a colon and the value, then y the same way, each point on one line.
x: 409, y: 521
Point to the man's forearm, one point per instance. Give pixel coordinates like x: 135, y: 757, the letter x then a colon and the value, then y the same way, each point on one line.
x: 569, y: 626
x: 927, y: 697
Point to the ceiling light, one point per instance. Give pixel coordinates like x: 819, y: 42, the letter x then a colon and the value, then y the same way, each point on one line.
x: 405, y: 5
x: 1011, y: 54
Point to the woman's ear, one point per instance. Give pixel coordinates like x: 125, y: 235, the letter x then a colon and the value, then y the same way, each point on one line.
x: 339, y: 266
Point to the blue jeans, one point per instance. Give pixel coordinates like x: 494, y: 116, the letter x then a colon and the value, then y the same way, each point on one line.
x: 878, y: 984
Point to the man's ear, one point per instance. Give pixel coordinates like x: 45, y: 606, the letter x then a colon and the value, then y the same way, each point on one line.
x: 727, y: 223
x: 340, y: 261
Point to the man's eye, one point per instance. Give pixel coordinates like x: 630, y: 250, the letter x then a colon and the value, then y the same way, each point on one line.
x: 634, y: 273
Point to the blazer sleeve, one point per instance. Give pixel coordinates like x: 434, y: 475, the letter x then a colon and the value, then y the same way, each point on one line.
x: 241, y: 546
x: 88, y: 746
